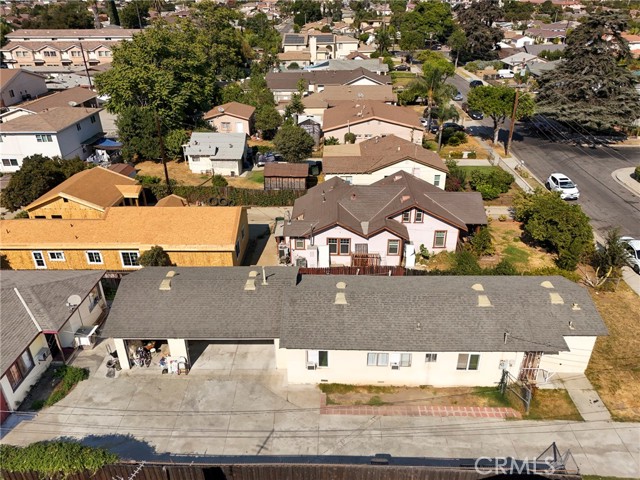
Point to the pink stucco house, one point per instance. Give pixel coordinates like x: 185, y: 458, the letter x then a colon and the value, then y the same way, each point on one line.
x: 232, y: 117
x: 384, y: 223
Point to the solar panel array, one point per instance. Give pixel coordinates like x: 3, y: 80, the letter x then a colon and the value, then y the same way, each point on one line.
x: 324, y: 38
x: 294, y: 39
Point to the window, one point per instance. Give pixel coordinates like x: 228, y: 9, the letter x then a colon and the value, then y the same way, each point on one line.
x: 41, y: 216
x: 56, y: 216
x: 405, y: 359
x: 38, y: 259
x: 242, y: 232
x: 93, y: 119
x: 56, y: 256
x: 78, y: 126
x: 299, y: 243
x: 9, y: 162
x: 225, y: 126
x: 94, y: 257
x: 467, y: 361
x: 48, y: 53
x: 130, y: 259
x: 345, y: 246
x: 431, y: 357
x: 75, y: 53
x: 436, y: 180
x: 20, y: 369
x: 419, y: 216
x: 44, y: 138
x: 348, y: 179
x: 22, y: 53
x: 333, y: 246
x: 393, y: 247
x: 319, y: 358
x: 377, y: 359
x: 440, y: 239
x: 406, y: 216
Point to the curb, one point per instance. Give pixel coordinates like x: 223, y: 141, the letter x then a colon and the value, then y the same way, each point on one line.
x: 628, y: 183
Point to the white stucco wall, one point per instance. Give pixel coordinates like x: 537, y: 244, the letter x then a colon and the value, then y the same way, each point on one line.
x: 351, y: 367
x: 374, y: 128
x: 15, y: 398
x: 23, y: 84
x: 575, y: 360
x: 70, y: 139
x: 123, y: 354
x: 179, y: 347
x: 218, y: 167
x: 81, y: 317
x: 423, y: 172
x: 424, y: 233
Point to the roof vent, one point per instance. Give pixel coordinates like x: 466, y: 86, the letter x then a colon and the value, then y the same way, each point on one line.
x: 353, y: 196
x: 571, y: 325
x: 398, y: 147
x: 546, y: 284
x: 250, y: 285
x: 483, y: 301
x: 477, y: 287
x: 165, y: 285
x: 405, y: 198
x: 556, y: 299
x: 341, y: 299
x: 575, y: 307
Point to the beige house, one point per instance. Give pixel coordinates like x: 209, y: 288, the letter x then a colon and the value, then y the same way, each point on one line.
x: 74, y: 96
x: 300, y: 58
x: 17, y: 86
x: 232, y: 117
x: 320, y: 46
x: 367, y: 119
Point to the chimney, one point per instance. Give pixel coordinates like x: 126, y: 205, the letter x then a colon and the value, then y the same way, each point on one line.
x: 575, y: 307
x: 251, y: 282
x: 397, y: 177
x: 340, y: 296
x: 165, y: 285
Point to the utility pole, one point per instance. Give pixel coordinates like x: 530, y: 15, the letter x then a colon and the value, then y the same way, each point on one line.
x: 86, y: 68
x: 513, y: 121
x: 163, y: 155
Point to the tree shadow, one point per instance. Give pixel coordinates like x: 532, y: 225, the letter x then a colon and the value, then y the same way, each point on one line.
x: 125, y: 446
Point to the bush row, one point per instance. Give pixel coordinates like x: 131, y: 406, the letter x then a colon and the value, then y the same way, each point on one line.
x: 235, y: 196
x: 491, y: 183
x: 474, y: 66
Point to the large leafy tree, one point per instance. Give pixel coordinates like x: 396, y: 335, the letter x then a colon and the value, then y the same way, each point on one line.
x: 432, y: 20
x: 60, y: 15
x: 515, y: 11
x: 260, y: 32
x: 155, y: 257
x: 138, y: 133
x: 163, y: 68
x: 497, y: 103
x: 135, y: 14
x: 38, y: 175
x: 457, y: 41
x: 293, y: 143
x: 5, y: 28
x: 478, y: 22
x: 114, y: 17
x: 591, y: 86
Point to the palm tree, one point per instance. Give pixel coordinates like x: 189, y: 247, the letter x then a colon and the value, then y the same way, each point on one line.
x: 445, y: 111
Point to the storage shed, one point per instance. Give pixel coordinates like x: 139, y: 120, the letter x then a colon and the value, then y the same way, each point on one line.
x: 286, y: 176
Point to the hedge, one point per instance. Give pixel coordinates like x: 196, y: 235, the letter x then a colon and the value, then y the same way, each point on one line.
x: 54, y: 459
x: 636, y: 174
x: 69, y: 376
x: 234, y: 196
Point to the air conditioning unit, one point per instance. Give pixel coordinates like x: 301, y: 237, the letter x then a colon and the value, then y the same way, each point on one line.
x: 311, y: 366
x: 395, y: 366
x: 43, y: 354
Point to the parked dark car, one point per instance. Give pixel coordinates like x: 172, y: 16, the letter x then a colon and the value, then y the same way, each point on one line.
x: 403, y: 68
x: 435, y: 46
x: 454, y: 126
x: 476, y: 83
x: 476, y: 114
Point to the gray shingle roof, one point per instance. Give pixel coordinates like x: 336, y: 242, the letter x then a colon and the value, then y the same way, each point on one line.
x: 383, y: 313
x: 203, y: 303
x: 226, y: 146
x: 46, y: 295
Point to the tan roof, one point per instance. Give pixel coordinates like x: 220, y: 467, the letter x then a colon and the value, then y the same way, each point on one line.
x: 173, y: 228
x: 172, y: 201
x: 51, y: 121
x: 377, y: 153
x: 129, y: 191
x: 235, y: 109
x: 352, y: 113
x: 299, y: 55
x: 96, y: 187
x: 62, y: 98
x: 66, y: 33
x: 333, y: 95
x: 296, y: 170
x: 289, y: 80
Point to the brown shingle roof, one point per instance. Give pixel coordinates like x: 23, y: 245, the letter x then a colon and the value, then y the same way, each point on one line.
x: 296, y: 170
x: 367, y: 209
x: 123, y: 169
x: 235, y: 109
x: 357, y: 112
x: 51, y: 121
x: 7, y: 75
x: 78, y: 95
x: 289, y: 80
x: 295, y: 55
x: 333, y: 95
x: 378, y: 153
x: 173, y: 228
x: 96, y: 187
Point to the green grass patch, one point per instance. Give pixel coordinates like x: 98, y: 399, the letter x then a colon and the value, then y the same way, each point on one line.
x: 553, y: 405
x: 343, y: 388
x: 376, y: 401
x: 516, y: 255
x: 70, y: 376
x: 493, y: 396
x: 257, y: 177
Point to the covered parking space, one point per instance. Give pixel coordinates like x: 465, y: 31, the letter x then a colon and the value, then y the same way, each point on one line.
x: 232, y: 356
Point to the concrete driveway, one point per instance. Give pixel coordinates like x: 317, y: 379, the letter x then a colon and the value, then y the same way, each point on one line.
x: 174, y: 418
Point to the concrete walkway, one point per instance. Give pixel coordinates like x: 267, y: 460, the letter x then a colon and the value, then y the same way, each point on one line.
x: 584, y: 396
x: 624, y: 178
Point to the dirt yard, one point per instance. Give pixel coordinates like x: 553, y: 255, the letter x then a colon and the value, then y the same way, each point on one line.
x: 614, y: 369
x: 179, y: 171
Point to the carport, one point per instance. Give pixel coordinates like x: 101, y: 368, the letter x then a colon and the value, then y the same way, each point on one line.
x: 232, y: 356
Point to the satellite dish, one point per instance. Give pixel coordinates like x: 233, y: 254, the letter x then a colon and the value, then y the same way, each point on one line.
x: 73, y: 104
x: 220, y: 109
x: 74, y: 301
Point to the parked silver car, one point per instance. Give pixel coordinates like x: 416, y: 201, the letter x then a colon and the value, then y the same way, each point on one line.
x: 632, y: 247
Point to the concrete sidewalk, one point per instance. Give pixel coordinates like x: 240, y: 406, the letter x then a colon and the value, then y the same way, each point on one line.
x: 584, y: 396
x: 624, y: 178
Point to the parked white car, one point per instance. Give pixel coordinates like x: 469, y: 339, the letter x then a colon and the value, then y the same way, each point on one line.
x: 506, y: 73
x: 558, y: 182
x: 633, y: 249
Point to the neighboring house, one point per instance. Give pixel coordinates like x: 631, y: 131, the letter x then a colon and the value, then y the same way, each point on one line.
x: 538, y: 49
x: 332, y: 95
x: 519, y: 61
x: 284, y: 84
x: 419, y: 330
x: 384, y: 223
x: 367, y: 119
x: 30, y: 47
x: 634, y: 43
x: 87, y: 194
x: 357, y: 61
x: 285, y: 176
x: 515, y: 40
x: 72, y: 97
x: 300, y: 58
x: 320, y: 46
x: 537, y: 69
x: 123, y: 169
x: 216, y: 153
x: 313, y: 128
x: 17, y: 86
x: 192, y: 236
x: 39, y: 324
x: 172, y: 201
x: 380, y: 157
x: 66, y: 132
x: 232, y: 117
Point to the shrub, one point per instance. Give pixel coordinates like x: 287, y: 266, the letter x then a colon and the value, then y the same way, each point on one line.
x: 488, y: 192
x: 612, y: 255
x: 472, y: 154
x: 293, y: 66
x: 495, y: 177
x: 69, y: 376
x: 429, y: 144
x: 453, y: 184
x: 551, y: 271
x: 482, y: 243
x: 422, y: 255
x: 219, y: 181
x: 505, y: 267
x: 155, y: 257
x: 331, y: 141
x: 21, y: 214
x: 636, y: 174
x: 349, y: 137
x: 466, y: 264
x: 148, y: 179
x: 455, y: 154
x: 453, y: 138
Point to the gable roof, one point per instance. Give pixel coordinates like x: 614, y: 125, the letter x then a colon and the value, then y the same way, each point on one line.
x: 226, y: 146
x: 296, y: 170
x: 172, y: 200
x: 123, y: 169
x: 333, y: 95
x: 377, y: 153
x: 95, y: 187
x: 9, y: 75
x: 72, y: 33
x: 45, y: 293
x: 289, y: 80
x: 302, y: 55
x: 235, y: 109
x: 51, y: 121
x: 79, y: 95
x: 203, y: 303
x: 352, y: 113
x: 173, y: 228
x: 367, y: 209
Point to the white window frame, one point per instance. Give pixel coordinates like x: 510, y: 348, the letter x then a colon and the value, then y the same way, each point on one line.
x: 35, y: 260
x: 129, y: 252
x: 95, y: 252
x: 56, y: 256
x: 299, y: 243
x: 468, y: 361
x: 313, y: 356
x: 436, y: 180
x: 377, y: 359
x: 430, y: 357
x: 405, y: 359
x: 418, y: 217
x: 406, y: 216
